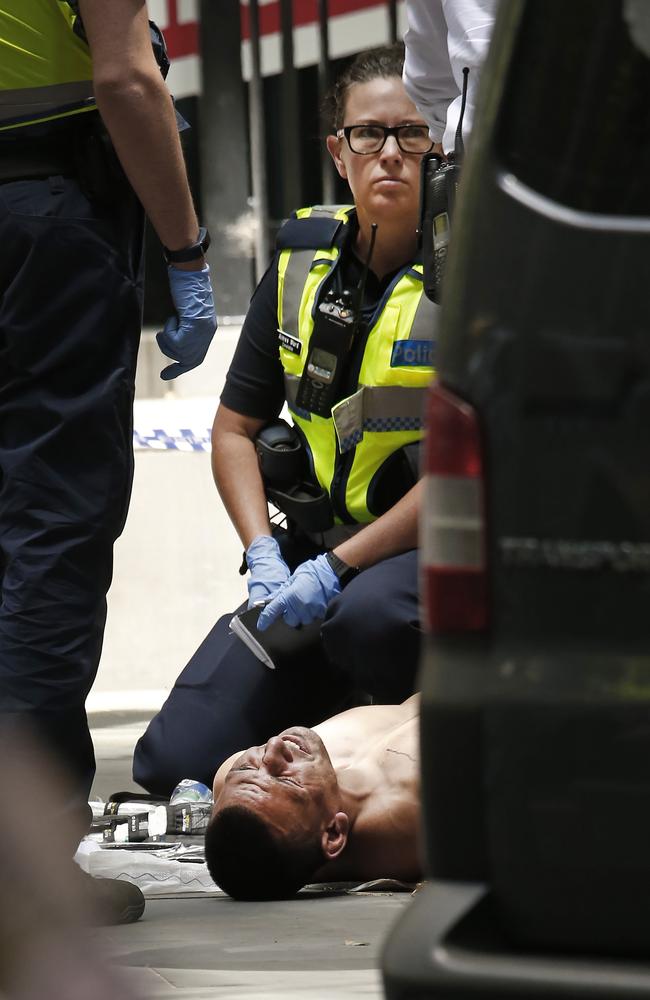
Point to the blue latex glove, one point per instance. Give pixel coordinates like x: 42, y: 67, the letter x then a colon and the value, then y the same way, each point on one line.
x: 305, y: 596
x: 268, y: 570
x: 186, y: 336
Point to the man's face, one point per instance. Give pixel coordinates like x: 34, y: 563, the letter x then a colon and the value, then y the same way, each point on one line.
x: 289, y: 782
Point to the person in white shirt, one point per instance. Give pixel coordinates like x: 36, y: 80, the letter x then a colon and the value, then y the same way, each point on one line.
x: 443, y: 37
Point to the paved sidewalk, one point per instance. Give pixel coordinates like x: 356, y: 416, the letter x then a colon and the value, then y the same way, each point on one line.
x: 306, y: 949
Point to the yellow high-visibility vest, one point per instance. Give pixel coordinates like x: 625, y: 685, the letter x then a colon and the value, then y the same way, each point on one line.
x: 350, y: 447
x: 45, y: 67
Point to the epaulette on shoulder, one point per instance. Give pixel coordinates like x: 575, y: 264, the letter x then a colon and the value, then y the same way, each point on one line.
x: 312, y: 232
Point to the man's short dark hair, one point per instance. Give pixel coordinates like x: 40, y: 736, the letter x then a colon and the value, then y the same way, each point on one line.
x: 249, y: 862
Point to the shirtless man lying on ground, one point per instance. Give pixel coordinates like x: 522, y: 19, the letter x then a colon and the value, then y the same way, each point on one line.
x: 338, y: 802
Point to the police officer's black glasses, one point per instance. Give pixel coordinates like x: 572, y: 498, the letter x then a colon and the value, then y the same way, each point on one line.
x: 366, y: 139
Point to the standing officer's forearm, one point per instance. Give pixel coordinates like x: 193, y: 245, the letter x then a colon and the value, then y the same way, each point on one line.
x: 141, y: 122
x: 137, y: 110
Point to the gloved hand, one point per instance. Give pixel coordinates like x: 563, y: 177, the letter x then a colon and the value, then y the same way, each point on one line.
x: 186, y: 336
x: 305, y: 596
x: 268, y: 570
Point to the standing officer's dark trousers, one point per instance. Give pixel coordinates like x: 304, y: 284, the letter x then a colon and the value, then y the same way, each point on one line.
x: 70, y: 319
x: 225, y: 700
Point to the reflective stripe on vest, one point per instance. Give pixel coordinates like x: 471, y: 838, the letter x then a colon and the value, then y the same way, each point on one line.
x: 386, y: 412
x: 45, y: 68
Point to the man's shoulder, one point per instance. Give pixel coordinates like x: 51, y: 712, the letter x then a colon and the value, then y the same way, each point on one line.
x: 411, y: 706
x: 384, y: 841
x: 361, y: 720
x: 366, y: 730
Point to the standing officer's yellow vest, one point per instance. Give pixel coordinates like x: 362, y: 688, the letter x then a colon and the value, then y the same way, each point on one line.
x: 350, y: 448
x: 45, y: 68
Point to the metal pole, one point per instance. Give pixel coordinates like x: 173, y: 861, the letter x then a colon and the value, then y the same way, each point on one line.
x: 222, y: 112
x: 258, y: 146
x: 327, y: 167
x: 290, y: 116
x: 392, y: 20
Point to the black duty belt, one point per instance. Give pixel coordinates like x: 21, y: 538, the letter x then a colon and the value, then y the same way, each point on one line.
x: 36, y: 159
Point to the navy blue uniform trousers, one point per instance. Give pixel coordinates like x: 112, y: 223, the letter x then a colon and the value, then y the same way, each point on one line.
x: 70, y: 320
x: 226, y: 700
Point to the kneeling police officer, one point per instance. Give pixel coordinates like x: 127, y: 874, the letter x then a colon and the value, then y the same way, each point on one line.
x: 340, y: 330
x: 88, y: 139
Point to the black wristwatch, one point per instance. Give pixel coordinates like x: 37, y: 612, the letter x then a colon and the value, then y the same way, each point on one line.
x: 344, y: 572
x: 188, y: 254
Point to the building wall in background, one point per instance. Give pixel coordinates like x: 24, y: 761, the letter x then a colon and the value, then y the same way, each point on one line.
x: 354, y: 24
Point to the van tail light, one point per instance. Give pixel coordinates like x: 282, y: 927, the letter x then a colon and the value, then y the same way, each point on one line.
x: 452, y: 529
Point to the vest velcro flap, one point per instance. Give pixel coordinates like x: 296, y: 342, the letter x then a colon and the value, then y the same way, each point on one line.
x: 316, y: 233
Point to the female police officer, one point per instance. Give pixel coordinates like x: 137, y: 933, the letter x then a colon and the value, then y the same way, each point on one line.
x: 359, y: 417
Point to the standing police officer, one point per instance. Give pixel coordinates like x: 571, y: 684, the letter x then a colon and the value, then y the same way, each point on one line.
x: 88, y: 139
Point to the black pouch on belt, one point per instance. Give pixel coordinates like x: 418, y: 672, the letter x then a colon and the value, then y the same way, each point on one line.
x: 287, y: 479
x: 33, y: 158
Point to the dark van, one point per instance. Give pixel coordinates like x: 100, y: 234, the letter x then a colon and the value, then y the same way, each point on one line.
x: 536, y: 531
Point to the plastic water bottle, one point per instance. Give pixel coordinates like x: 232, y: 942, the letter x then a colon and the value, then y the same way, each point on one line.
x: 189, y: 790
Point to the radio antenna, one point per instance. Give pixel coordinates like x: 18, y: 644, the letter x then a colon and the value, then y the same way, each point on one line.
x: 459, y: 145
x: 364, y: 275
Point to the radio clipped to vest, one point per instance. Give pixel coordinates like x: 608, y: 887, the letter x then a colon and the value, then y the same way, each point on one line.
x: 438, y: 184
x: 439, y: 181
x: 330, y: 344
x: 337, y: 320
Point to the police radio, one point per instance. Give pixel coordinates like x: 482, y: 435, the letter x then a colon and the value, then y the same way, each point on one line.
x: 439, y: 181
x: 336, y: 322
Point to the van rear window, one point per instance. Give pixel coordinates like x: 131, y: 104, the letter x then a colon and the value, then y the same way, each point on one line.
x: 575, y: 124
